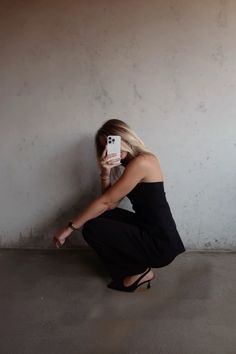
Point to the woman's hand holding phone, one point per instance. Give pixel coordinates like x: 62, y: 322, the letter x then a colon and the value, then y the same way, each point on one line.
x: 108, y: 161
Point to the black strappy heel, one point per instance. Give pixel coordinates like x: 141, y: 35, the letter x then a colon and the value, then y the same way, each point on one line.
x: 118, y: 284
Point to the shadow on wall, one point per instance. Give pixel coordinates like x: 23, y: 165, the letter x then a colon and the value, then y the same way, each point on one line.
x: 78, y: 167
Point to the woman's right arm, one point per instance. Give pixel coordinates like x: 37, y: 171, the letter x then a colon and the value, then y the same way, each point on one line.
x: 106, y: 164
x: 105, y: 183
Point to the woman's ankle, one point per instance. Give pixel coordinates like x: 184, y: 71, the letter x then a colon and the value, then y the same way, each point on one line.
x: 130, y: 279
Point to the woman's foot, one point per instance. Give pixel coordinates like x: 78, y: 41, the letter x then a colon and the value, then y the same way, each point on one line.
x: 132, y: 278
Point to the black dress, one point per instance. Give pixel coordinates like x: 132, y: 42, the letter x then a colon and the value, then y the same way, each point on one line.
x: 128, y: 242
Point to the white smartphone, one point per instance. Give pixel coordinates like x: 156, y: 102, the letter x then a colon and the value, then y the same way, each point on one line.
x: 114, y: 145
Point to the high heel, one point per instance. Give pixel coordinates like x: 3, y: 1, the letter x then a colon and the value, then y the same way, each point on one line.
x: 118, y: 284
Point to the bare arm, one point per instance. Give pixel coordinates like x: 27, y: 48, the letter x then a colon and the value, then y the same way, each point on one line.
x: 94, y: 209
x: 134, y: 172
x: 97, y: 206
x: 105, y: 184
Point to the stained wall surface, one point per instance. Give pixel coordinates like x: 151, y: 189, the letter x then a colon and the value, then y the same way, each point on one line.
x: 166, y: 67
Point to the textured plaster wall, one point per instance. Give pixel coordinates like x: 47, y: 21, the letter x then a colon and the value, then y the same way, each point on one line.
x: 166, y: 67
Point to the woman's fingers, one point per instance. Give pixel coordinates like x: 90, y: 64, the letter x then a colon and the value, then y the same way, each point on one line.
x: 107, y: 158
x: 108, y: 161
x: 113, y: 161
x: 110, y: 156
x: 104, y: 151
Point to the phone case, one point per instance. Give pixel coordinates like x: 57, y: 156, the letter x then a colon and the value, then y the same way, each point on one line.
x: 113, y: 145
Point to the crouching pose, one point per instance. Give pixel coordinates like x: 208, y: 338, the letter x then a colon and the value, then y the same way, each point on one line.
x: 129, y: 243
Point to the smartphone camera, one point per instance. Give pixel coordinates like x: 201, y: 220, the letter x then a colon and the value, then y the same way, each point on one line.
x: 111, y: 140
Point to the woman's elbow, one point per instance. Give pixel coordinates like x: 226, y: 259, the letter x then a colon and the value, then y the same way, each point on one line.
x: 112, y: 206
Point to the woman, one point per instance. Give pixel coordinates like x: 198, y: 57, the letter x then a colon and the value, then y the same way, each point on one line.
x: 129, y: 243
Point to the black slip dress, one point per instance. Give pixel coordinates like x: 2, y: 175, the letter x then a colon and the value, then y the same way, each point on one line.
x: 128, y: 242
x: 152, y: 209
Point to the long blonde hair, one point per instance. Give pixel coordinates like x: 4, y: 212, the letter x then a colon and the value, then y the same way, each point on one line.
x: 130, y: 141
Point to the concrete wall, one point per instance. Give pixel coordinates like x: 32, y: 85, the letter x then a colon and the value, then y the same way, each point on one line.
x: 166, y: 67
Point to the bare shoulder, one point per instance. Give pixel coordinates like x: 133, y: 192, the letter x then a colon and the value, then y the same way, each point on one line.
x: 148, y: 158
x: 153, y: 167
x: 143, y: 160
x: 142, y: 168
x: 137, y: 166
x: 134, y: 172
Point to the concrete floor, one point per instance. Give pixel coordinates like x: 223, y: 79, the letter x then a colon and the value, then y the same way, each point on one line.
x: 56, y: 301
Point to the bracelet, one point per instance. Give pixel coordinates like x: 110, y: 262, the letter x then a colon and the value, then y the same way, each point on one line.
x: 70, y: 224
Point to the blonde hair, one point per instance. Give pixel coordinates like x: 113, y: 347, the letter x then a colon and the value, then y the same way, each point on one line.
x: 130, y: 141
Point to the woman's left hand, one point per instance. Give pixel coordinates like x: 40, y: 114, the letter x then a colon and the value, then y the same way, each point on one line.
x: 60, y: 236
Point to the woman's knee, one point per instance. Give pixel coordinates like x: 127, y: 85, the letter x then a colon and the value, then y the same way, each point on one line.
x: 97, y: 230
x: 90, y: 228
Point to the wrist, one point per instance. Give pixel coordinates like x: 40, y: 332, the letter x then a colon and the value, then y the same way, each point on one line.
x: 71, y: 226
x: 104, y: 175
